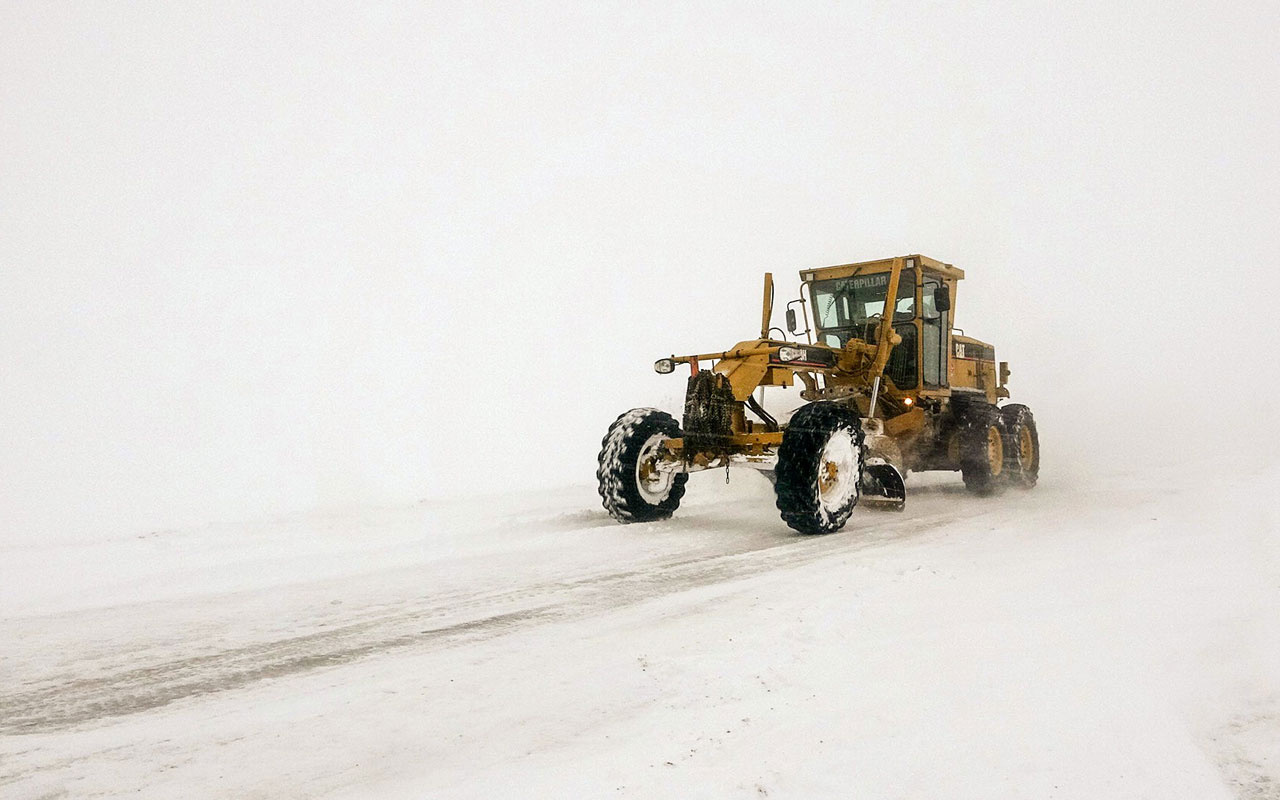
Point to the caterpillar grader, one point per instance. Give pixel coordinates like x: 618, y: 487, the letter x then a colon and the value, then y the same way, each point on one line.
x: 891, y: 388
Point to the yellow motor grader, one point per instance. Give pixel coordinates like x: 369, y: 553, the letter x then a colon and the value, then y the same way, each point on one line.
x: 890, y: 387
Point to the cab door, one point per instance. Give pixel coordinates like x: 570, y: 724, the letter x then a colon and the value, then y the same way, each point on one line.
x: 934, y: 327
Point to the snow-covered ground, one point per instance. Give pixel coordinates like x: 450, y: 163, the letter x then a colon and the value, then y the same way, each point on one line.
x: 1110, y: 637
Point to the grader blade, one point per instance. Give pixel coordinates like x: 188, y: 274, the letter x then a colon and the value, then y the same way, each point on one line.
x: 883, y: 487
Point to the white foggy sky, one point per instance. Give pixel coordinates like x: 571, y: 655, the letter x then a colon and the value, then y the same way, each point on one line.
x: 267, y: 258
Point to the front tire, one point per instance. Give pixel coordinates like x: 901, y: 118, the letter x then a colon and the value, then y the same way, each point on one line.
x: 819, y: 468
x: 631, y: 487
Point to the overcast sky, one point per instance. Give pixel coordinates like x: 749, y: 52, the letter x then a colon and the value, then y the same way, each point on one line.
x: 268, y: 258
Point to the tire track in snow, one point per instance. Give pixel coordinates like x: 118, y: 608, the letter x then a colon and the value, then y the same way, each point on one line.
x: 447, y: 622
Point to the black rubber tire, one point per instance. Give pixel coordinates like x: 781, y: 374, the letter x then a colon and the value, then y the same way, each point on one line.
x: 983, y: 474
x: 619, y: 451
x: 799, y: 455
x: 1020, y: 472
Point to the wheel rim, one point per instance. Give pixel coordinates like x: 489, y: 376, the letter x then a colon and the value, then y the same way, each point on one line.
x: 838, y: 471
x: 995, y: 450
x: 653, y: 484
x: 1026, y: 449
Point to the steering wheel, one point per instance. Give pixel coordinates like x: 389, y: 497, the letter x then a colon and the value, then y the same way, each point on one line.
x: 870, y: 325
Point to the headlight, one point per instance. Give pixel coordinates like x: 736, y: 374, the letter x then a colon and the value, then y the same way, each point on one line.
x: 790, y: 353
x: 664, y: 365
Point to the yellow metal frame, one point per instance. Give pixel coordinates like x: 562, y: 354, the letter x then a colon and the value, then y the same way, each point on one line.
x: 748, y: 365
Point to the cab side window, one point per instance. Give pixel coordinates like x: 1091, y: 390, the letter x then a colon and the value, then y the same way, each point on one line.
x: 935, y: 325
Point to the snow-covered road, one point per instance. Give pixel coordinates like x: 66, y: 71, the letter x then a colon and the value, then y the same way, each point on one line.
x: 1077, y: 641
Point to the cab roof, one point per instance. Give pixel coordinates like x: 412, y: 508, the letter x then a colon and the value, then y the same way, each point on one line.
x: 881, y: 265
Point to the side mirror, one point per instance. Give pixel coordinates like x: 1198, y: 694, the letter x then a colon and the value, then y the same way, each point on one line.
x: 942, y: 298
x: 792, y: 325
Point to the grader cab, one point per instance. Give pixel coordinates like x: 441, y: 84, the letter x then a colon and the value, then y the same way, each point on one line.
x: 891, y: 387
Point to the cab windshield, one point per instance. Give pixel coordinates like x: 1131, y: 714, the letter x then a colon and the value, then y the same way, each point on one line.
x: 846, y: 307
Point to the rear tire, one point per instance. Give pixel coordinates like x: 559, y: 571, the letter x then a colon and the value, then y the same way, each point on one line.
x: 982, y: 451
x: 631, y: 490
x: 819, y: 468
x: 1022, y: 446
